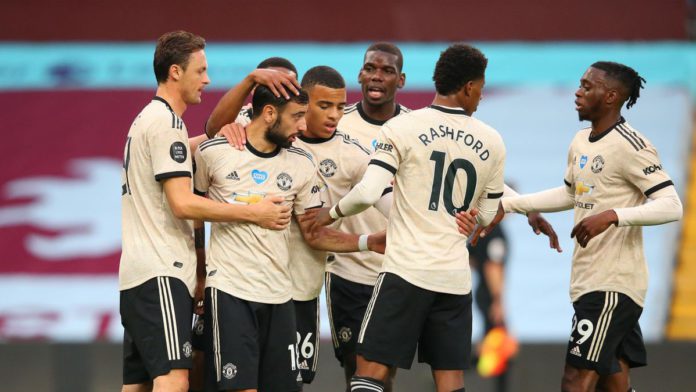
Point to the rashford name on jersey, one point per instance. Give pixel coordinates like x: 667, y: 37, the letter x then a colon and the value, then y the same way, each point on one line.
x: 457, y: 135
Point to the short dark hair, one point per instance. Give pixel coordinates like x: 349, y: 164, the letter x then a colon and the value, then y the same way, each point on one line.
x: 458, y: 65
x: 627, y: 76
x: 324, y: 76
x: 175, y: 48
x: 387, y: 47
x: 280, y: 62
x: 264, y: 96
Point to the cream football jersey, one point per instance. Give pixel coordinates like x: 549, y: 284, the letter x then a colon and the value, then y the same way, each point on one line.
x: 246, y: 260
x: 342, y: 162
x: 361, y: 267
x: 444, y: 161
x: 616, y: 169
x: 155, y: 242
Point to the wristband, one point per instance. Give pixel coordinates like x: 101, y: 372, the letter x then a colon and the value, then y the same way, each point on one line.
x: 362, y: 242
x: 332, y: 212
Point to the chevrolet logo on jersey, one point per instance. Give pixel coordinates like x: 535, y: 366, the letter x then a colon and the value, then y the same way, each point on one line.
x: 247, y: 198
x: 582, y: 188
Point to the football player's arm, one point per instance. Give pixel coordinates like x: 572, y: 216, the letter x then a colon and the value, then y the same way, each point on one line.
x: 185, y: 204
x: 366, y: 193
x: 226, y: 110
x: 663, y: 206
x: 199, y: 242
x: 324, y: 238
x: 550, y: 200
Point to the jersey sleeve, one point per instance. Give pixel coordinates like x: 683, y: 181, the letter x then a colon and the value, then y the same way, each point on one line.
x: 312, y: 194
x: 645, y: 171
x: 568, y: 176
x: 169, y: 151
x: 494, y: 188
x: 201, y: 178
x: 386, y: 153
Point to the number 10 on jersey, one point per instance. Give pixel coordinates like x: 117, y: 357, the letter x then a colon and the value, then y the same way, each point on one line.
x: 458, y: 164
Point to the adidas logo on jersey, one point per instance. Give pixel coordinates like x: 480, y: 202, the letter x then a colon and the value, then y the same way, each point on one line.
x: 232, y: 176
x: 576, y: 351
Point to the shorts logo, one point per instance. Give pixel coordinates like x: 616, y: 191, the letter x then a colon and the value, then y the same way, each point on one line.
x: 284, y: 181
x: 259, y: 176
x: 327, y: 167
x: 229, y: 371
x: 303, y: 365
x: 345, y: 334
x: 198, y: 328
x: 178, y: 152
x: 576, y: 351
x: 597, y: 164
x: 187, y: 349
x: 583, y: 161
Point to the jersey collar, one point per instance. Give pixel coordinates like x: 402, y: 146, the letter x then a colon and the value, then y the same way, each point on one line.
x: 593, y: 139
x: 316, y: 140
x: 371, y: 120
x: 449, y: 110
x: 262, y: 154
x: 164, y: 101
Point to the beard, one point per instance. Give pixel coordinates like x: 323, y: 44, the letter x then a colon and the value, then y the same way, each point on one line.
x: 275, y: 135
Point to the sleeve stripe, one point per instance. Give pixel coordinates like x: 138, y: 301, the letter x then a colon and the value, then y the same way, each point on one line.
x: 495, y: 195
x: 625, y: 136
x: 164, y: 176
x: 387, y: 190
x: 658, y: 187
x: 383, y: 165
x: 635, y: 136
x: 567, y: 183
x: 212, y: 142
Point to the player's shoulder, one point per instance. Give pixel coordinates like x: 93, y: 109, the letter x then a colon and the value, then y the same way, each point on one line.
x: 350, y: 142
x: 300, y: 155
x: 159, y: 113
x: 350, y: 108
x: 631, y: 139
x: 401, y: 109
x: 214, y: 146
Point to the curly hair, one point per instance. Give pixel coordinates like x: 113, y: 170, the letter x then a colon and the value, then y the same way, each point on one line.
x: 627, y: 76
x: 280, y: 62
x: 457, y: 65
x: 387, y: 47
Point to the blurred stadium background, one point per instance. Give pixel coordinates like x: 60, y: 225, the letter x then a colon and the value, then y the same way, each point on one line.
x: 75, y: 73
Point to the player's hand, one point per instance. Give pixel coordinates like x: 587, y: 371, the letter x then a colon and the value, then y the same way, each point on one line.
x: 541, y: 225
x: 277, y: 81
x: 593, y: 226
x: 322, y: 217
x: 466, y: 221
x: 483, y: 231
x: 496, y: 313
x: 198, y: 297
x: 235, y: 135
x: 377, y: 242
x: 271, y: 214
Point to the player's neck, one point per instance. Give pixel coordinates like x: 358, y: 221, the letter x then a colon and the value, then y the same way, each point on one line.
x: 256, y: 136
x: 382, y: 112
x: 168, y: 92
x: 604, y: 123
x: 450, y: 101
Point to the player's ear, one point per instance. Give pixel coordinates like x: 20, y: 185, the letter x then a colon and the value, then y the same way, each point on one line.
x: 612, y: 96
x: 175, y: 72
x: 402, y: 80
x: 269, y: 114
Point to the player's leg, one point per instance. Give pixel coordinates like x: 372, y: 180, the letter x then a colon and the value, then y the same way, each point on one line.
x: 390, y: 331
x: 307, y: 318
x: 233, y: 335
x: 196, y: 376
x: 605, y: 329
x: 632, y: 354
x: 346, y: 303
x: 278, y: 370
x: 445, y: 343
x: 157, y: 318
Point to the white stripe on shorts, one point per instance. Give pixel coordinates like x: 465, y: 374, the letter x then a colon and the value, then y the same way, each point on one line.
x: 368, y: 312
x: 327, y: 283
x: 610, y: 301
x: 164, y: 308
